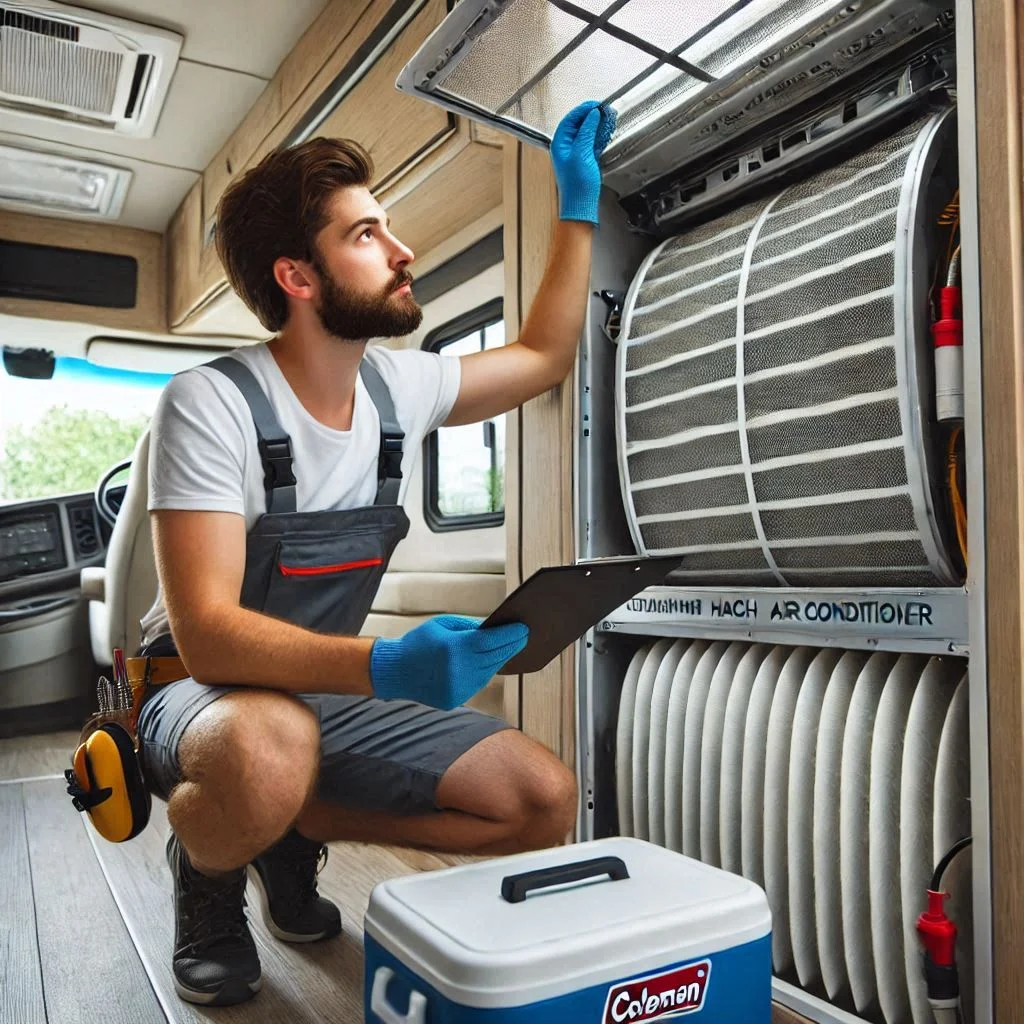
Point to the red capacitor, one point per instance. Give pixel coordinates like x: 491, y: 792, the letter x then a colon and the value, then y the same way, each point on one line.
x: 936, y: 931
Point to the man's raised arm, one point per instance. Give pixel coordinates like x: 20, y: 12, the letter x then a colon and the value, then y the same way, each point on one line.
x: 498, y: 380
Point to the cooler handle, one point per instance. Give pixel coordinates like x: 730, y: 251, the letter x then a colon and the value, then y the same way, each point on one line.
x: 380, y: 1006
x: 515, y: 887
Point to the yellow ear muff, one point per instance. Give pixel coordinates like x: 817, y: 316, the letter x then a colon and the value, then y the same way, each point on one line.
x: 107, y: 783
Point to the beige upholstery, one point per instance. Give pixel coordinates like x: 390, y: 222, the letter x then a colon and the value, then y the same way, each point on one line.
x: 435, y: 593
x: 123, y: 591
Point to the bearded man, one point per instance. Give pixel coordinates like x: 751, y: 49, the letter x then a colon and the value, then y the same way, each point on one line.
x: 277, y: 474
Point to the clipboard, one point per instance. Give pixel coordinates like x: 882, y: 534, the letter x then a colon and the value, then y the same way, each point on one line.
x: 560, y: 603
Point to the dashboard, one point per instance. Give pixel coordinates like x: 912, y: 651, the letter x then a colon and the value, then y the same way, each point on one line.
x: 31, y: 545
x: 41, y: 538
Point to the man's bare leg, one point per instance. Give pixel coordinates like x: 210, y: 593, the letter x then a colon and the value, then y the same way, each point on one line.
x: 248, y: 762
x: 506, y: 794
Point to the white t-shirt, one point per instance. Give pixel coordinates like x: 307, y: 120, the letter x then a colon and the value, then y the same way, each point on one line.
x: 203, y: 453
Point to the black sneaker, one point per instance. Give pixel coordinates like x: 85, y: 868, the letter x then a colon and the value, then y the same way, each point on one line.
x: 215, y: 960
x: 285, y: 877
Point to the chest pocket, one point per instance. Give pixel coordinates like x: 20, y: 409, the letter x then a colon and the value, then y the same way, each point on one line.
x: 323, y: 576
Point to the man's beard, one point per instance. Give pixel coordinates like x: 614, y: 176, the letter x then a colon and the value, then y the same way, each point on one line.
x: 352, y: 317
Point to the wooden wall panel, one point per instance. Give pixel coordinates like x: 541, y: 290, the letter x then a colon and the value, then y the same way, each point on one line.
x: 783, y: 1015
x: 146, y: 246
x: 223, y: 315
x: 396, y: 129
x: 317, y: 83
x: 183, y: 243
x: 458, y: 193
x: 998, y: 80
x: 513, y: 452
x: 460, y: 241
x: 322, y: 42
x: 545, y: 431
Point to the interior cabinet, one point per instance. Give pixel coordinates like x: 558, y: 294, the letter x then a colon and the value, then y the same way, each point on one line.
x: 435, y: 176
x: 144, y: 247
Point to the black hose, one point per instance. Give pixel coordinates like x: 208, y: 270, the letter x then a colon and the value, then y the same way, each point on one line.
x: 940, y: 868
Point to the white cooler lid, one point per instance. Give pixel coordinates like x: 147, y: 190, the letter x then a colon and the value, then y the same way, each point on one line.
x: 455, y: 930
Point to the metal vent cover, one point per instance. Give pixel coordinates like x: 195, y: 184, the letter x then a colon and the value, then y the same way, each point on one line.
x: 34, y: 181
x: 836, y: 780
x: 686, y: 79
x: 772, y: 381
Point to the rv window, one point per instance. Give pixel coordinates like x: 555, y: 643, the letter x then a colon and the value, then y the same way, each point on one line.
x: 464, y: 467
x: 59, y: 435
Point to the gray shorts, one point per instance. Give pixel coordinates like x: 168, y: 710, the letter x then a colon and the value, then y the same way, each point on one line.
x: 374, y: 754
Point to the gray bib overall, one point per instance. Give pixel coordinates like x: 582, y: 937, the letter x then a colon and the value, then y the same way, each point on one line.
x: 320, y: 570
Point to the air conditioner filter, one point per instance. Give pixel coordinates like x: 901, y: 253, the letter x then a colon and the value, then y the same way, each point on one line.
x: 836, y: 780
x: 773, y: 380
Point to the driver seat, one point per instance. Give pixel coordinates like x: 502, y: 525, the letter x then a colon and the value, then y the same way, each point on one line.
x: 122, y: 591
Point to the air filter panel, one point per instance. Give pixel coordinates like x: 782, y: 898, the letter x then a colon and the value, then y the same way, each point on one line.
x: 854, y: 782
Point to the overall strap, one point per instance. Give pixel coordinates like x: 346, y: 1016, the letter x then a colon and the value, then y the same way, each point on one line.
x: 389, y: 462
x: 275, y: 445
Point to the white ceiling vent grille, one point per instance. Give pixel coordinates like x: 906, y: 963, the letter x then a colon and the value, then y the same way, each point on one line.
x: 772, y: 381
x: 48, y: 183
x: 87, y: 68
x: 835, y: 780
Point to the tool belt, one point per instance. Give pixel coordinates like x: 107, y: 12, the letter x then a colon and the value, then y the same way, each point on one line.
x: 106, y: 780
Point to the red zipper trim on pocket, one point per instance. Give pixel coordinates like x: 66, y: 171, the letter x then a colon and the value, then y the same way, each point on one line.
x: 325, y: 570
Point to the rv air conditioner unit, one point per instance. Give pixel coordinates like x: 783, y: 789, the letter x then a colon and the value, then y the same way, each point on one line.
x: 89, y: 69
x: 773, y: 380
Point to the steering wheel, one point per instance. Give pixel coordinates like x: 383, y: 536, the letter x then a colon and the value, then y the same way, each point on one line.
x: 102, y: 494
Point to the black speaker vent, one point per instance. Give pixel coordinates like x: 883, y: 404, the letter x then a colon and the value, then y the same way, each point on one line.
x: 51, y: 273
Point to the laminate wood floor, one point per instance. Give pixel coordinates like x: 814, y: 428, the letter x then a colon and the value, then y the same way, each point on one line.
x: 86, y: 926
x: 316, y: 982
x: 25, y: 757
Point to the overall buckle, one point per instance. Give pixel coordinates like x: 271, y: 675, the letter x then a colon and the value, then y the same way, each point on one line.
x: 276, y: 456
x: 391, y: 456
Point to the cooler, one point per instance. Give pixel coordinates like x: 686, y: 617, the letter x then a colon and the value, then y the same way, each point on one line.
x: 616, y: 931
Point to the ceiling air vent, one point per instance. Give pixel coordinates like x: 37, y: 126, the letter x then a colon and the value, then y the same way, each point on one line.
x: 48, y: 183
x: 60, y: 62
x: 85, y: 536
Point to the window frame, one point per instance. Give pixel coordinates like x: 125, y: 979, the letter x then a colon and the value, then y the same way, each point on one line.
x: 454, y: 330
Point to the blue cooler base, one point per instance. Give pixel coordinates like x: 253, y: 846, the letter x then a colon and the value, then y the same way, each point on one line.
x: 738, y: 991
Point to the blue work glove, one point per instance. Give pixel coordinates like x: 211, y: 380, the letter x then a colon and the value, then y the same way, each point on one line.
x: 578, y: 141
x: 444, y: 662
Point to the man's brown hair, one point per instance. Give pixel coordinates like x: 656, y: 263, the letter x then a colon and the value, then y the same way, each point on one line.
x: 277, y: 209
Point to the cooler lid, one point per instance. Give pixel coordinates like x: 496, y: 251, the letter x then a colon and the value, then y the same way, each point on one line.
x: 458, y: 932
x: 687, y: 79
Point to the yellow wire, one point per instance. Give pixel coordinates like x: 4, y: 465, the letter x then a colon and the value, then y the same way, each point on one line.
x: 951, y: 212
x: 956, y: 499
x: 950, y: 218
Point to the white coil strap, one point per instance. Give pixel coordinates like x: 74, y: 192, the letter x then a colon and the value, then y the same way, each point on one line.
x: 741, y: 404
